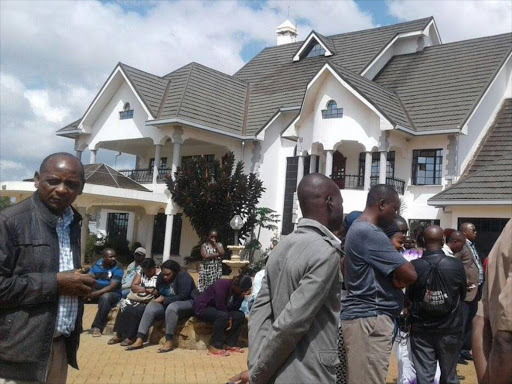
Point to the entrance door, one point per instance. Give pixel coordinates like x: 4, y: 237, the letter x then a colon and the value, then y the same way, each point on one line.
x: 338, y: 169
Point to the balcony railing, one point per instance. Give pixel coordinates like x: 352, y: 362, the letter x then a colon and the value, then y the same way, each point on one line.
x: 397, y: 184
x: 145, y: 176
x: 348, y: 181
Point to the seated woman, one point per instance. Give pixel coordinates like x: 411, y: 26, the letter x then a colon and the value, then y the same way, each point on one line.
x: 220, y: 304
x: 177, y: 291
x: 143, y: 290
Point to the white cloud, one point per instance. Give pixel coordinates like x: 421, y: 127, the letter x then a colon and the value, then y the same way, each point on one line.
x: 8, y: 167
x: 40, y: 103
x: 458, y: 20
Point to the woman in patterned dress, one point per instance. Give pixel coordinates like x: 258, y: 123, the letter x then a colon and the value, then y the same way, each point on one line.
x: 211, y: 266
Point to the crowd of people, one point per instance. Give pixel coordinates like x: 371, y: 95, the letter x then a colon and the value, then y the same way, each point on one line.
x: 333, y: 300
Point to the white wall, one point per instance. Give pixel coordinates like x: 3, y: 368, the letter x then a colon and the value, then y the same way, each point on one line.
x: 487, y: 211
x: 189, y: 238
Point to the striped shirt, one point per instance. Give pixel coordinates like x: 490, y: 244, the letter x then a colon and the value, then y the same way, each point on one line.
x: 68, y: 305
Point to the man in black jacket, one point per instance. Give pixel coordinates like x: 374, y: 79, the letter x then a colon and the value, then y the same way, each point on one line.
x: 40, y: 314
x: 436, y: 337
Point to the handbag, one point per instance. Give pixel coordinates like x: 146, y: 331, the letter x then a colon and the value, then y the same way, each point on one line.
x: 141, y: 297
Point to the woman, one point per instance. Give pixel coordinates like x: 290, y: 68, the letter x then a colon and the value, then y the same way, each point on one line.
x: 211, y: 266
x: 143, y: 289
x: 177, y: 292
x: 220, y: 305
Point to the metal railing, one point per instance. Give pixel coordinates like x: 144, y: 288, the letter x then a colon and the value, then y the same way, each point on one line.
x: 397, y: 184
x: 348, y: 181
x: 145, y: 176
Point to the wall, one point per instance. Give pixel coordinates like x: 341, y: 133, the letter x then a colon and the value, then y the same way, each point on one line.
x: 189, y: 238
x: 484, y: 211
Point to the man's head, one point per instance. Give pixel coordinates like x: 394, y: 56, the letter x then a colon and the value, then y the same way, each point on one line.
x: 383, y: 204
x: 139, y: 255
x: 409, y: 242
x: 456, y: 241
x: 242, y: 284
x: 402, y: 224
x: 469, y: 230
x: 109, y: 257
x: 396, y: 236
x: 59, y: 181
x: 320, y: 199
x: 433, y: 236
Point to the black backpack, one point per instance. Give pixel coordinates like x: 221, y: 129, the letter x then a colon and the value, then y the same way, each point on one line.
x: 437, y: 300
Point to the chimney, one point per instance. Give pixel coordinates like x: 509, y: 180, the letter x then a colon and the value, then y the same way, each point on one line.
x: 286, y: 33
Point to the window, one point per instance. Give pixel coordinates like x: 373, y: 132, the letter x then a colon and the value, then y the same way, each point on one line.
x: 163, y: 163
x: 117, y: 226
x: 414, y: 224
x: 427, y: 166
x: 332, y: 111
x: 390, y: 166
x: 487, y: 232
x: 315, y: 50
x: 209, y: 159
x: 126, y: 113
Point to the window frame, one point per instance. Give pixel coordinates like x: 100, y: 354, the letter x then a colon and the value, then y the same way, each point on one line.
x: 332, y: 111
x: 436, y: 163
x: 126, y: 113
x: 314, y: 50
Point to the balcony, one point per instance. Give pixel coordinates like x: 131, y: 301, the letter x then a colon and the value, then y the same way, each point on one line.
x: 357, y: 182
x: 145, y: 176
x: 397, y: 184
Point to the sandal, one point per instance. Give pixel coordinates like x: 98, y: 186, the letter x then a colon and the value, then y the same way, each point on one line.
x: 132, y: 348
x: 113, y: 340
x: 234, y: 349
x: 219, y: 353
x: 163, y: 350
x: 126, y: 342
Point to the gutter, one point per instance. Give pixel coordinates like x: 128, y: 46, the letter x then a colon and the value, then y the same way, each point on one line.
x: 441, y: 203
x: 427, y: 133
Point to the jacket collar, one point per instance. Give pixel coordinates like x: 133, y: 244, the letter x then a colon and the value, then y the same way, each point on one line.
x: 328, y: 235
x: 434, y: 253
x: 48, y: 216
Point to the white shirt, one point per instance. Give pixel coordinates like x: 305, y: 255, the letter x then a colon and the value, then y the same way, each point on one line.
x: 447, y: 251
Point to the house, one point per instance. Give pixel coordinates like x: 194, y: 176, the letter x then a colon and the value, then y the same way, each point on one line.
x: 385, y: 105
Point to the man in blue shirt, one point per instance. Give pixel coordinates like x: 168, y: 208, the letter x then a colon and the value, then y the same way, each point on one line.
x: 108, y: 274
x: 375, y: 274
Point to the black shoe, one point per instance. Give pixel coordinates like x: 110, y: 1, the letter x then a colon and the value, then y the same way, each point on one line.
x: 462, y: 361
x: 466, y: 355
x: 460, y: 377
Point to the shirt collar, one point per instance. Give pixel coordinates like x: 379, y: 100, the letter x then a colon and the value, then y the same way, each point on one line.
x: 67, y: 217
x: 447, y: 250
x: 469, y: 242
x: 313, y: 223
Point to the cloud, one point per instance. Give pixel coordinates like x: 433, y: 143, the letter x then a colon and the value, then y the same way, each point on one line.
x: 458, y: 20
x: 8, y: 167
x: 39, y: 101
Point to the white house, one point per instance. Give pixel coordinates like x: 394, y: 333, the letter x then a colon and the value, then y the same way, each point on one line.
x: 385, y: 105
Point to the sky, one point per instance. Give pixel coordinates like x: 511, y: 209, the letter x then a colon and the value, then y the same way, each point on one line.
x: 55, y: 55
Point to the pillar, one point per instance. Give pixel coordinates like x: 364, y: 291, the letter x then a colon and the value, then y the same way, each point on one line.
x: 148, y: 244
x: 300, y: 169
x: 168, y: 237
x: 328, y: 163
x: 92, y: 159
x: 176, y: 158
x: 156, y: 164
x: 79, y: 154
x: 312, y: 163
x: 83, y: 234
x: 367, y: 170
x: 383, y: 167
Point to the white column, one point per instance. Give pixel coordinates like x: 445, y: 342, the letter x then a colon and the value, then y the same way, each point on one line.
x: 79, y: 155
x: 168, y: 237
x: 300, y: 169
x: 92, y: 159
x: 383, y: 167
x: 83, y: 234
x: 148, y: 244
x: 312, y: 163
x: 156, y: 164
x: 328, y: 163
x: 176, y: 158
x: 367, y: 170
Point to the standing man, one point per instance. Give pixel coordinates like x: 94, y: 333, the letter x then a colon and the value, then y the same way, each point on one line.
x: 436, y: 310
x: 375, y: 274
x: 294, y: 321
x: 475, y: 276
x: 492, y: 326
x: 132, y: 269
x: 40, y: 314
x: 454, y: 243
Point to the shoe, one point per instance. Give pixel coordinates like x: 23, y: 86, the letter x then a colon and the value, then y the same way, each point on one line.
x: 466, y: 355
x: 462, y: 361
x: 460, y: 377
x: 96, y: 332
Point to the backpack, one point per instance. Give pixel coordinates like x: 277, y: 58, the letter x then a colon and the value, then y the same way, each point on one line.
x: 437, y: 300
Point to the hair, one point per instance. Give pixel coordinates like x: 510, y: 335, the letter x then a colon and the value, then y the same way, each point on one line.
x: 47, y: 159
x: 455, y: 236
x: 392, y: 230
x: 463, y: 226
x: 106, y: 250
x: 418, y: 236
x: 400, y: 220
x: 172, y: 265
x: 447, y: 233
x: 380, y: 192
x: 147, y: 264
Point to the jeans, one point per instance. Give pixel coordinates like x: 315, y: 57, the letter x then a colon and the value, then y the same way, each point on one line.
x: 428, y: 349
x: 155, y: 311
x: 106, y: 302
x: 219, y: 319
x: 125, y: 292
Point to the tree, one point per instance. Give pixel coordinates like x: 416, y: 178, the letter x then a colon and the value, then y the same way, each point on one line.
x: 5, y: 202
x: 266, y: 218
x: 210, y: 194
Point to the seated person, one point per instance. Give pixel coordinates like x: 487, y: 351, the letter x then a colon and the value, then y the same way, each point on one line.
x: 132, y: 270
x: 143, y: 290
x: 108, y: 274
x: 177, y: 292
x: 220, y: 304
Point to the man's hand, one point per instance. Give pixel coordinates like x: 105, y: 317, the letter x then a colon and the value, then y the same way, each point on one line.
x: 241, y: 378
x: 74, y: 284
x: 159, y: 299
x: 230, y: 324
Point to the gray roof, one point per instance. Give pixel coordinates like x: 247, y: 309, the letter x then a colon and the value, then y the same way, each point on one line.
x: 69, y: 128
x: 491, y: 183
x: 441, y: 85
x: 497, y: 142
x: 102, y: 174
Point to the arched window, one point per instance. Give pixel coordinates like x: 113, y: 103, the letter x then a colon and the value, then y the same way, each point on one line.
x: 126, y: 113
x: 332, y: 111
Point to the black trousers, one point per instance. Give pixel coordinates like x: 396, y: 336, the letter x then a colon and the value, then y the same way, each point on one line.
x: 428, y: 349
x: 106, y: 302
x: 469, y: 309
x: 219, y: 319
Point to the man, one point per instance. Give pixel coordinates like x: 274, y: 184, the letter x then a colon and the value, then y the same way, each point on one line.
x: 294, y: 321
x: 40, y: 314
x: 402, y: 224
x: 454, y: 243
x: 492, y: 326
x: 436, y: 331
x: 375, y: 274
x: 475, y: 275
x: 132, y: 269
x: 107, y: 273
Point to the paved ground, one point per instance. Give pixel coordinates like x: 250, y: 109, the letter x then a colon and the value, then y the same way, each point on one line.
x: 102, y: 363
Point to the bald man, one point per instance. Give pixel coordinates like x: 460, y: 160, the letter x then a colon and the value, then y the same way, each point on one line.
x: 436, y: 331
x: 454, y: 243
x: 294, y: 321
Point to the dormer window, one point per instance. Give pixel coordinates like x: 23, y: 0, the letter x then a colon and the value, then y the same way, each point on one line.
x: 316, y: 50
x: 126, y: 113
x: 315, y: 45
x: 332, y: 111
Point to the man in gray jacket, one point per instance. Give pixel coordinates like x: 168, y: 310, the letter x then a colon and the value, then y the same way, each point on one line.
x: 294, y: 321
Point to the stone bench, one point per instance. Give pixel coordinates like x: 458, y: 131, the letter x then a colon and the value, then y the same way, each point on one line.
x: 191, y: 333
